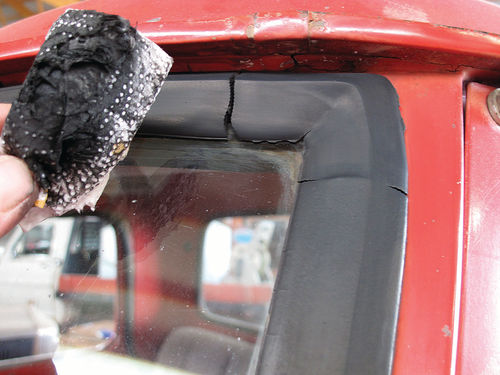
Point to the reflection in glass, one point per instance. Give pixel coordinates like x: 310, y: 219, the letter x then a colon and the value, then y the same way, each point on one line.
x: 36, y: 241
x: 240, y: 260
x: 181, y: 280
x: 54, y: 276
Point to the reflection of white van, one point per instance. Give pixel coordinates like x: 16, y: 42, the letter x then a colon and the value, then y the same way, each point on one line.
x: 57, y: 254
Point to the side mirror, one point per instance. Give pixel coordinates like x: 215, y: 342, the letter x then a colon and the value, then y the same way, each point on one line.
x: 239, y: 266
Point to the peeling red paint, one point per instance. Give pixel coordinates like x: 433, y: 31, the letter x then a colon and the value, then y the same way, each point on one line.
x: 290, y: 33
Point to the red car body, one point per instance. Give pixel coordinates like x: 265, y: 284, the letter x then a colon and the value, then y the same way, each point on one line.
x: 443, y: 58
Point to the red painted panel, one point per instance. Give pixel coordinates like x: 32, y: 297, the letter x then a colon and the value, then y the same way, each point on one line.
x: 379, y: 28
x: 469, y: 14
x: 479, y: 343
x: 237, y: 293
x: 466, y: 14
x: 33, y: 368
x: 431, y: 107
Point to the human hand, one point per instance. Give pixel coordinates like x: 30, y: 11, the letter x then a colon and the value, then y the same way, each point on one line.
x: 18, y: 190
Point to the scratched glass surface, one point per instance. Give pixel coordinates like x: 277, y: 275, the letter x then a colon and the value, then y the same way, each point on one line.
x: 172, y: 273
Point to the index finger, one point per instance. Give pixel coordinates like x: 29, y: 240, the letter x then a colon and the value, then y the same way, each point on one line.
x: 4, y: 111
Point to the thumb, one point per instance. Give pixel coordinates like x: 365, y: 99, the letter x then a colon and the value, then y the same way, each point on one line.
x: 18, y: 191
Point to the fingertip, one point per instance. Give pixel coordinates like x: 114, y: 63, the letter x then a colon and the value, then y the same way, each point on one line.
x: 4, y: 111
x: 18, y: 191
x: 12, y: 217
x: 16, y: 182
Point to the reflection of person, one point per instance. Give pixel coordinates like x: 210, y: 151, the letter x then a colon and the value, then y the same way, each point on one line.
x: 18, y: 191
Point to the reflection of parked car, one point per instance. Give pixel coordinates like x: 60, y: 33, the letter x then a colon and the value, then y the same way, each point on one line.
x: 37, y: 264
x: 36, y: 241
x: 390, y: 262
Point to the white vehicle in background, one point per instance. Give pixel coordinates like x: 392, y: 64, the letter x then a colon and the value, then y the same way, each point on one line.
x: 48, y: 269
x: 33, y: 262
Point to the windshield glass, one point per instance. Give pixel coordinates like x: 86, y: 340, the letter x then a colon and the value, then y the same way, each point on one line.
x: 173, y: 271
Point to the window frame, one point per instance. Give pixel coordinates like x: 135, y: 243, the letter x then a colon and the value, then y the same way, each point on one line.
x: 339, y: 281
x: 230, y: 321
x: 354, y: 147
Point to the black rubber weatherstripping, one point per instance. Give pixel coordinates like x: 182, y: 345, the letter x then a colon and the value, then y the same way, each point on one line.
x: 335, y: 305
x: 336, y: 300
